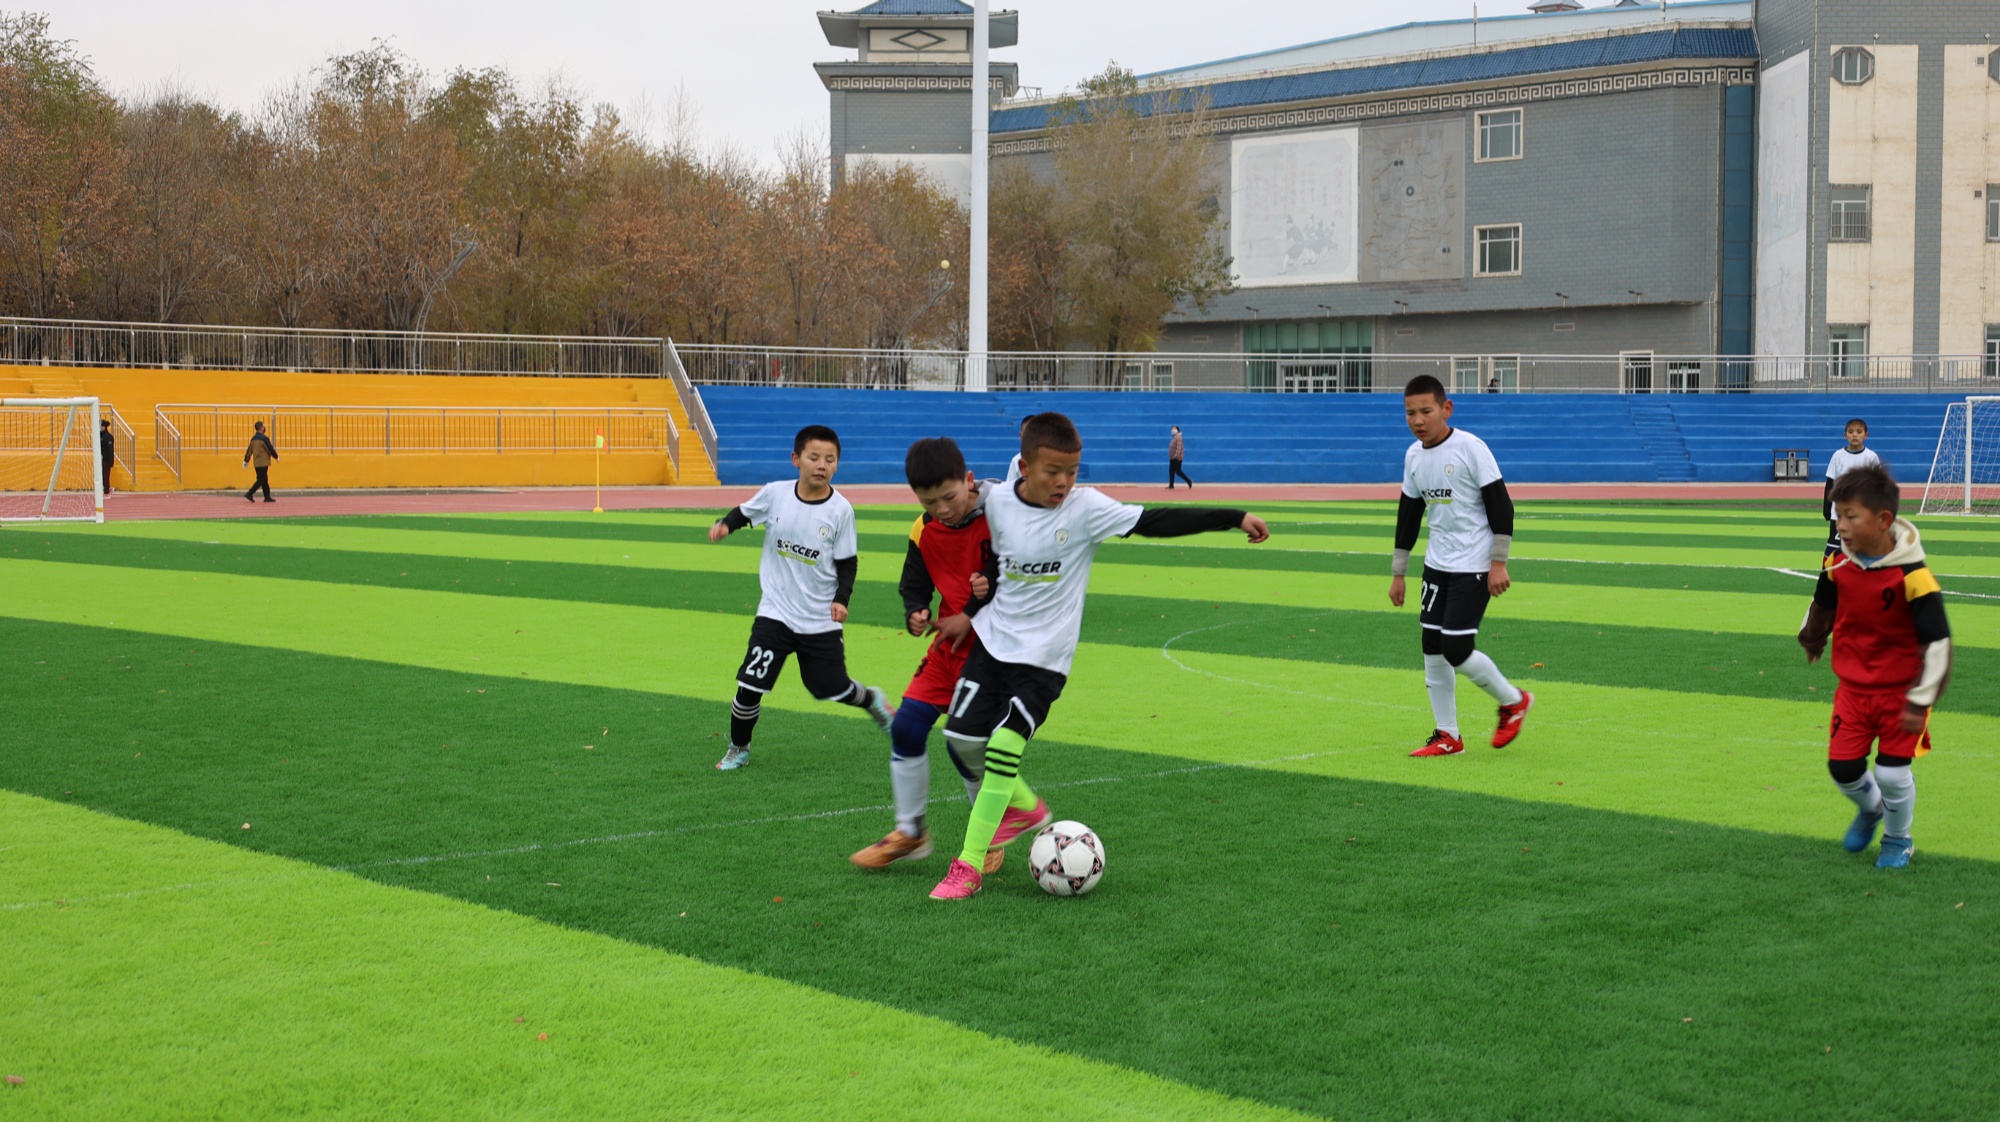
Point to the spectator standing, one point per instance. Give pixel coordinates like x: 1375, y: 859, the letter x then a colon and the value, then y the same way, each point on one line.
x: 107, y: 446
x: 1175, y: 449
x: 259, y: 455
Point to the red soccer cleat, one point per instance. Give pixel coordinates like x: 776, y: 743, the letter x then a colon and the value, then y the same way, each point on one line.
x: 1441, y: 744
x: 1015, y: 823
x: 1510, y: 720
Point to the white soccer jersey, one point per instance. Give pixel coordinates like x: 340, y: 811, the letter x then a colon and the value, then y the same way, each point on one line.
x: 801, y: 541
x: 1447, y: 477
x: 1045, y: 555
x: 1843, y: 461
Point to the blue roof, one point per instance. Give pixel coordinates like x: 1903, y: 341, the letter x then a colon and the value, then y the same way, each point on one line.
x: 1350, y: 81
x: 913, y: 8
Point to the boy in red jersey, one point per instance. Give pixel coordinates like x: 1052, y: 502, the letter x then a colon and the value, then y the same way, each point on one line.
x: 1891, y: 651
x: 949, y: 547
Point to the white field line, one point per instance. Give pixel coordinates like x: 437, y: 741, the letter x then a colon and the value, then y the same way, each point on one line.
x: 666, y: 832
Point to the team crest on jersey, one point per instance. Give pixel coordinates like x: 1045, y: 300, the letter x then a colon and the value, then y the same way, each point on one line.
x: 1450, y: 468
x: 825, y: 532
x: 1062, y: 537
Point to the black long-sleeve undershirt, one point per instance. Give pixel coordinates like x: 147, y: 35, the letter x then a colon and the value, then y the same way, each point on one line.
x: 1409, y: 521
x: 915, y: 587
x: 1179, y: 522
x: 1499, y: 508
x: 844, y: 571
x: 734, y: 519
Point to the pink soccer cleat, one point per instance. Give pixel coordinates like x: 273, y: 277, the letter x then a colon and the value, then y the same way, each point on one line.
x: 1015, y: 823
x: 960, y: 881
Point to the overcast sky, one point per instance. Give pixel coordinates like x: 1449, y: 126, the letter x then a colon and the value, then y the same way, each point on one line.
x: 744, y: 65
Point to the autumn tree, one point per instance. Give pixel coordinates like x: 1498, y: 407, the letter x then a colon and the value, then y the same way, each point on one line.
x: 915, y: 291
x: 62, y: 189
x: 185, y: 167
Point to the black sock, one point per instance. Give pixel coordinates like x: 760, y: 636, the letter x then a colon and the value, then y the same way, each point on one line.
x: 857, y: 694
x: 743, y: 716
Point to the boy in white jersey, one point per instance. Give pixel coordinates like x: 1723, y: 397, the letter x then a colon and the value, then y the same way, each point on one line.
x: 1857, y: 454
x: 1046, y: 532
x: 1451, y: 476
x: 807, y: 573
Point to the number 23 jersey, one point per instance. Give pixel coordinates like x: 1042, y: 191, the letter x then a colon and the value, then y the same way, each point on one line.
x: 801, y: 541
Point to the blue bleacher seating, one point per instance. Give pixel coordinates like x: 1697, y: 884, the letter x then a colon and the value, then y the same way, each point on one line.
x: 1329, y: 438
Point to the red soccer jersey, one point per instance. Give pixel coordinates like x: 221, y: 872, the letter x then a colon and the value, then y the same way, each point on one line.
x: 942, y: 559
x: 1883, y: 618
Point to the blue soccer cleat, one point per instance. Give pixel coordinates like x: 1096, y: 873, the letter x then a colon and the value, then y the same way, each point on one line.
x: 732, y: 760
x: 1895, y: 853
x: 1861, y: 831
x: 877, y: 706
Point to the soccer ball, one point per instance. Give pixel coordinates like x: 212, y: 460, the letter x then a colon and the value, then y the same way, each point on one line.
x: 1066, y: 859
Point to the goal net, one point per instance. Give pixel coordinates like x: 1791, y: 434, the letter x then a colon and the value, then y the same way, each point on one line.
x: 1965, y: 473
x: 50, y: 470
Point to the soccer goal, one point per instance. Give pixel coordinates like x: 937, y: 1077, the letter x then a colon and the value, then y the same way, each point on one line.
x: 1965, y: 472
x: 50, y: 467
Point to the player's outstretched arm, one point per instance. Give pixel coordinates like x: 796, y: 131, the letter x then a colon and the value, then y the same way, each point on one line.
x: 1409, y: 520
x: 1179, y: 522
x: 728, y: 524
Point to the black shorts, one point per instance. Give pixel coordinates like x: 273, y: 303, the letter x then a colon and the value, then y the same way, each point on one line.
x: 992, y: 695
x: 822, y: 659
x: 1453, y: 604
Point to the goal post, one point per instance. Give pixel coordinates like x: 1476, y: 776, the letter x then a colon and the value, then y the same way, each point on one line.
x: 1965, y: 470
x: 51, y: 468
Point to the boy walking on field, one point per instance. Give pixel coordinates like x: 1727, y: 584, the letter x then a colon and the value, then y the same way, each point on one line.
x: 1857, y: 454
x: 1450, y: 477
x: 1891, y: 651
x: 1046, y: 531
x: 807, y: 573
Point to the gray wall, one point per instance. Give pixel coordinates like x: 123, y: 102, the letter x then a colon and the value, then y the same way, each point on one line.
x: 901, y: 121
x: 1617, y: 192
x: 1663, y: 328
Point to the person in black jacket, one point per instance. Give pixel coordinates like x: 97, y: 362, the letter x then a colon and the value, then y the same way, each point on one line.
x: 107, y: 447
x: 260, y: 454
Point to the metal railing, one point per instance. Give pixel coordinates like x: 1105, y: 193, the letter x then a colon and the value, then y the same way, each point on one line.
x: 189, y: 429
x: 323, y: 350
x: 697, y: 410
x: 124, y: 442
x: 1309, y: 372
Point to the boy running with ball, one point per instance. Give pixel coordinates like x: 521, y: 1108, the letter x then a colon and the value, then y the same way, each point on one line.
x: 1046, y: 531
x: 1891, y: 651
x: 949, y: 551
x: 807, y: 573
x: 1450, y: 476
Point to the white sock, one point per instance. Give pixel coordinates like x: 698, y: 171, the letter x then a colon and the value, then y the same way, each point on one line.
x: 1443, y: 686
x: 1899, y: 799
x: 911, y: 778
x: 970, y: 756
x: 1863, y: 792
x: 971, y: 790
x: 1487, y: 677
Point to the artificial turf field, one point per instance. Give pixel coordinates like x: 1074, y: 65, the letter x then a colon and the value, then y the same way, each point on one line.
x: 415, y: 816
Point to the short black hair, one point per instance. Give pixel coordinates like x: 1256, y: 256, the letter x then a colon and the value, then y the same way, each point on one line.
x: 1870, y: 485
x: 1424, y: 384
x: 933, y: 461
x: 257, y: 425
x: 1051, y: 431
x: 815, y: 433
x: 1853, y: 421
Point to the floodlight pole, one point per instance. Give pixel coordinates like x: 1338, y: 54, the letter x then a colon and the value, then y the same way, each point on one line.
x: 975, y: 286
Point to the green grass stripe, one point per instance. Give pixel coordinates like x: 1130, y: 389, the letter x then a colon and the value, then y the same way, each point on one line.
x: 155, y: 975
x: 1533, y: 624
x: 1569, y: 944
x: 1138, y: 699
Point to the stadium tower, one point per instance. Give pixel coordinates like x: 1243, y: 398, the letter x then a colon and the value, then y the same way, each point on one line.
x: 902, y: 99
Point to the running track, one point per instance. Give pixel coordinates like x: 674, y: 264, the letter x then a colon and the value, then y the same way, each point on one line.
x: 207, y: 505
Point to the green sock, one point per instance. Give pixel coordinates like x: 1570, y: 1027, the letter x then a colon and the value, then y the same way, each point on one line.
x: 996, y: 792
x: 1025, y: 798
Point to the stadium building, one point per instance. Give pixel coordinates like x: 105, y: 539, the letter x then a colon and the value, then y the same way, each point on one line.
x: 1601, y: 181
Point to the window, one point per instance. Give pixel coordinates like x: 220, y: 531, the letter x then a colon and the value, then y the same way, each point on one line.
x: 1313, y: 356
x: 1850, y: 214
x: 1465, y: 374
x: 1134, y: 376
x: 1163, y: 376
x: 1852, y: 66
x: 1499, y: 251
x: 1989, y: 364
x: 1499, y: 135
x: 1635, y: 372
x: 1993, y: 204
x: 1847, y: 347
x: 1683, y: 376
x: 1503, y: 372
x: 1992, y: 62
